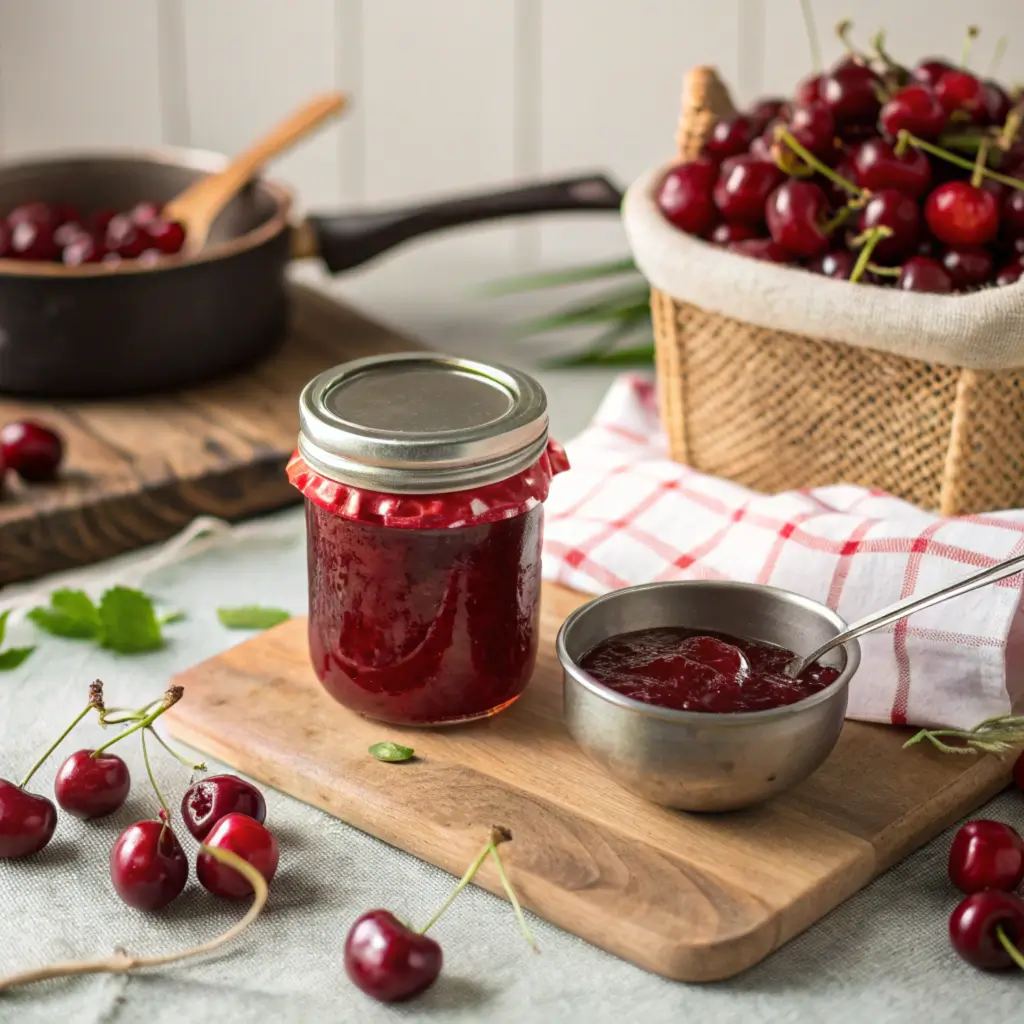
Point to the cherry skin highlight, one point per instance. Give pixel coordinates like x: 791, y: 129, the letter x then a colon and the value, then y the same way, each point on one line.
x: 245, y: 837
x: 729, y: 137
x: 728, y: 232
x: 33, y: 451
x: 986, y: 855
x: 27, y: 821
x: 838, y: 263
x: 208, y: 801
x: 387, y: 960
x: 973, y: 924
x: 90, y: 787
x: 968, y: 266
x: 1010, y: 274
x: 148, y: 867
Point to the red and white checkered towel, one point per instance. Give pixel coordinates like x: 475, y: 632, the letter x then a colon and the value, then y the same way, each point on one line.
x: 627, y: 514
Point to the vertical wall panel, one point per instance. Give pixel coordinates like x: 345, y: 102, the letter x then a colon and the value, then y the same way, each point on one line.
x: 248, y: 63
x: 611, y: 79
x: 79, y: 74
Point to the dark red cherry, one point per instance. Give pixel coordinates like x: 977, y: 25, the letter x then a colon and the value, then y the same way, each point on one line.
x: 796, y: 213
x: 997, y: 103
x: 986, y: 855
x: 959, y: 90
x: 167, y: 236
x: 923, y: 274
x: 684, y: 196
x: 975, y: 924
x: 931, y: 70
x: 90, y: 787
x: 729, y: 137
x: 33, y: 451
x: 763, y: 111
x: 814, y: 127
x: 838, y: 196
x: 31, y: 240
x: 1011, y: 216
x: 101, y: 219
x: 389, y: 961
x: 766, y: 249
x: 248, y: 839
x: 809, y: 90
x: 838, y: 263
x: 33, y: 213
x: 144, y: 213
x: 743, y: 186
x: 916, y: 109
x: 960, y: 214
x: 730, y: 231
x: 68, y: 232
x: 851, y: 93
x: 1010, y: 274
x: 897, y: 211
x: 84, y: 249
x: 148, y: 866
x: 877, y: 166
x: 27, y: 821
x: 215, y: 797
x: 968, y: 266
x: 126, y: 238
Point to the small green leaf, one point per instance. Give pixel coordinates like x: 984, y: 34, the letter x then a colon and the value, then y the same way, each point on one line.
x: 129, y: 624
x: 3, y: 625
x: 252, y: 616
x: 558, y: 278
x: 71, y: 614
x: 13, y: 657
x: 388, y: 751
x: 171, y: 617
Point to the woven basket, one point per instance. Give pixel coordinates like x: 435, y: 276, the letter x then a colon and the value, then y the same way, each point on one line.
x: 778, y: 411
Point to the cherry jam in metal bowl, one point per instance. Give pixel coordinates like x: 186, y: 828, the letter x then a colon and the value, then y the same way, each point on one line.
x: 424, y: 480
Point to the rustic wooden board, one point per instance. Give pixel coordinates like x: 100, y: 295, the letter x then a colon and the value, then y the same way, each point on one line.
x: 696, y: 898
x: 140, y: 470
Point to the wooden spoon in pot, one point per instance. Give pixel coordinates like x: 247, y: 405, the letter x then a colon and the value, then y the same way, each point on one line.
x: 200, y: 204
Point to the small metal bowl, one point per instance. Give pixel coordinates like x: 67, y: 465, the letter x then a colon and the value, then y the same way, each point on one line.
x: 697, y: 761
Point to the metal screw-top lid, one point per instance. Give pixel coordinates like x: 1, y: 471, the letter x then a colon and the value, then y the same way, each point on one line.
x: 419, y: 423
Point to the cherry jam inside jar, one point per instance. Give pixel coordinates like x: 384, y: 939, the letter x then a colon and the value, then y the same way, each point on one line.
x: 424, y: 480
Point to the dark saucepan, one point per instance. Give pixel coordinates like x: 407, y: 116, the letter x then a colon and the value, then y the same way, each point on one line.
x: 99, y: 330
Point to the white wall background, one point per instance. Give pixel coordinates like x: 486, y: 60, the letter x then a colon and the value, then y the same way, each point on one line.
x: 447, y: 94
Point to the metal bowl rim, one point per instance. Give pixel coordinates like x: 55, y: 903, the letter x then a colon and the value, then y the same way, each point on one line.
x: 709, y: 718
x: 189, y: 158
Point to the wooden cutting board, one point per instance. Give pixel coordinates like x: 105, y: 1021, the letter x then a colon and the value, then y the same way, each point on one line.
x: 695, y: 898
x: 140, y: 470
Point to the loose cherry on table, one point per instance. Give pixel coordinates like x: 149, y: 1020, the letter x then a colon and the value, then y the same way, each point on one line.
x: 796, y: 212
x: 915, y: 109
x: 924, y: 274
x: 246, y: 837
x: 148, y: 867
x: 959, y: 213
x: 90, y: 785
x: 987, y: 929
x: 206, y: 802
x: 684, y: 196
x: 33, y: 451
x: 986, y: 855
x: 898, y: 212
x: 388, y: 960
x: 743, y: 186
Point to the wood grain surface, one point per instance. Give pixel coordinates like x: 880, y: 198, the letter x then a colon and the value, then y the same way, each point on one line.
x: 694, y: 898
x: 138, y: 471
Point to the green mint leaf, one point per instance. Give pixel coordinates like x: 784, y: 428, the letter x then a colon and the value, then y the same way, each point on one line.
x: 252, y: 616
x: 71, y: 613
x: 129, y: 624
x: 389, y: 751
x: 171, y: 617
x: 13, y: 657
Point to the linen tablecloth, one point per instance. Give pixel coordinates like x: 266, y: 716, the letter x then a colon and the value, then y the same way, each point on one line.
x: 883, y: 956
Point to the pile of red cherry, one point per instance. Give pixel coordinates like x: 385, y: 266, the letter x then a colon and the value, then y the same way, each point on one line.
x: 986, y: 861
x: 61, y: 233
x: 31, y: 450
x: 873, y: 172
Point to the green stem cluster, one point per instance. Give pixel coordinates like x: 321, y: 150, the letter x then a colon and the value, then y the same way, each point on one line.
x: 1003, y: 734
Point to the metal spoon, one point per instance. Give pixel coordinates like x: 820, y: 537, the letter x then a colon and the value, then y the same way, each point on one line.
x: 905, y: 607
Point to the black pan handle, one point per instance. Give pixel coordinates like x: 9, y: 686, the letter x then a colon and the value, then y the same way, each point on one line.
x: 349, y: 239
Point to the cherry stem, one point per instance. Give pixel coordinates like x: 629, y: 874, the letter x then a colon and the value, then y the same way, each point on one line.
x: 498, y: 835
x: 878, y: 45
x: 952, y: 158
x: 1010, y: 946
x: 812, y: 36
x: 152, y: 781
x: 1011, y: 127
x: 170, y: 698
x: 121, y: 962
x: 1002, y: 734
x: 997, y: 56
x: 965, y: 51
x: 201, y: 767
x: 782, y: 133
x: 884, y: 271
x: 841, y: 217
x: 95, y: 702
x: 843, y: 30
x: 979, y: 164
x: 870, y: 239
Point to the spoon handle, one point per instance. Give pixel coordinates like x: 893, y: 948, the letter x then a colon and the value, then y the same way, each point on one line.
x: 908, y: 605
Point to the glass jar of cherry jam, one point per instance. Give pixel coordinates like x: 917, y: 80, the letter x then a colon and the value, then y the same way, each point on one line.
x: 424, y: 478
